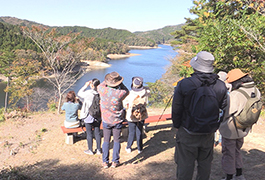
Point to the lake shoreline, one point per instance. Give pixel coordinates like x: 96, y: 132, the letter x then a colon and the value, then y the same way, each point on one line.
x: 101, y: 65
x: 143, y: 47
x: 90, y: 65
x: 121, y: 56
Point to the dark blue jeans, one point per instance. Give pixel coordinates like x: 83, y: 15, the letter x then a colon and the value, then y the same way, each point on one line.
x: 89, y: 134
x: 136, y: 128
x: 116, y: 131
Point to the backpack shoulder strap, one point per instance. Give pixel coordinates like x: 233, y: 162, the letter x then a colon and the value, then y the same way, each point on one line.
x: 245, y: 93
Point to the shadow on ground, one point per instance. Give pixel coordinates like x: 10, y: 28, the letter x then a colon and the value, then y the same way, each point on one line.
x: 161, y: 141
x: 51, y: 169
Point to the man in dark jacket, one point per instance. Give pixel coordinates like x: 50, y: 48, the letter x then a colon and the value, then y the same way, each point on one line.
x: 193, y: 145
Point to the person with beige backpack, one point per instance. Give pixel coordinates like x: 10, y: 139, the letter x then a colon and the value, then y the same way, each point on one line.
x: 136, y: 112
x: 234, y: 126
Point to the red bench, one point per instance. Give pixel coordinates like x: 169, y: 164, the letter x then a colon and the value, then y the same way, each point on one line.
x: 70, y: 132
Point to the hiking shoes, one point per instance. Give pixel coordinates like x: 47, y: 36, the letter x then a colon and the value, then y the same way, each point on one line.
x: 128, y: 150
x: 105, y: 165
x: 99, y: 151
x: 115, y: 164
x: 89, y: 152
x: 241, y: 177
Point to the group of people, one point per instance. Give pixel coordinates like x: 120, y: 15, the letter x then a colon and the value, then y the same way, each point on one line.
x: 221, y: 99
x: 195, y: 144
x: 116, y: 106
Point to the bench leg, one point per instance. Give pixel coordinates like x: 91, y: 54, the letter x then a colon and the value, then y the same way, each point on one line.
x: 124, y: 132
x: 69, y: 138
x: 145, y: 127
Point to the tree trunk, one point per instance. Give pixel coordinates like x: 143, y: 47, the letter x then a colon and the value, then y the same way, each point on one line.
x: 6, y: 97
x: 27, y: 103
x: 59, y: 103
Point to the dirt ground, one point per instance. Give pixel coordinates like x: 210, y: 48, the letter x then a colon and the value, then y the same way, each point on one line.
x: 34, y: 148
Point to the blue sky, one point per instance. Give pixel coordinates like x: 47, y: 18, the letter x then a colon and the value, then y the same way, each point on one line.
x: 132, y: 15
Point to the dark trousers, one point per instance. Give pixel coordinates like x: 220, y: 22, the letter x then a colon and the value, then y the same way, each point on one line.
x: 89, y: 134
x: 232, y: 158
x: 191, y: 148
x: 135, y: 128
x: 116, y: 146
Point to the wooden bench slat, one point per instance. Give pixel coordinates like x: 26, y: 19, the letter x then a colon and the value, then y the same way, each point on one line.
x: 150, y: 119
x: 72, y: 130
x: 155, y: 118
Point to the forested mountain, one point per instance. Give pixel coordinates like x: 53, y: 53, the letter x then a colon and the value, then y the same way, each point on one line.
x: 11, y: 38
x: 116, y: 35
x: 16, y: 21
x: 147, y: 38
x: 111, y: 34
x: 160, y: 36
x: 106, y: 41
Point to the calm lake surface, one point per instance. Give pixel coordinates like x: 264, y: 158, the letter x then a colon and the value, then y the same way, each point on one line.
x: 150, y: 64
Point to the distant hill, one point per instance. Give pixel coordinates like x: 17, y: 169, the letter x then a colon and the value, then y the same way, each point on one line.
x: 111, y: 34
x: 20, y: 22
x: 139, y: 38
x: 160, y: 36
x: 116, y: 35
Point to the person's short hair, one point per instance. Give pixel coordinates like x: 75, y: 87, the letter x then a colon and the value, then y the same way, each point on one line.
x: 70, y: 96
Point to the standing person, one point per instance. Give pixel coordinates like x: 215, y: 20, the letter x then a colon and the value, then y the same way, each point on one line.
x: 194, y: 141
x: 89, y: 120
x: 232, y: 137
x: 112, y: 92
x: 136, y: 124
x: 71, y: 107
x: 222, y: 76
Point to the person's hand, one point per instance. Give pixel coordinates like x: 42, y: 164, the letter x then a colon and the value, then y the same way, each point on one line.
x: 88, y: 83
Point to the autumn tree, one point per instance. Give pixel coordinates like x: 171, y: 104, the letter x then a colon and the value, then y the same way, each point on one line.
x: 23, y: 72
x: 62, y: 54
x: 6, y: 59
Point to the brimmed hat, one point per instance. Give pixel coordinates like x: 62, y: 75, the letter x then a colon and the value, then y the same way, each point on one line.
x: 234, y: 75
x: 222, y: 75
x: 137, y: 83
x: 203, y: 62
x: 113, y: 79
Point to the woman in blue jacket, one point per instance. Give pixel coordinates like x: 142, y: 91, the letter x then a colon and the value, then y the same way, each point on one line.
x: 71, y: 107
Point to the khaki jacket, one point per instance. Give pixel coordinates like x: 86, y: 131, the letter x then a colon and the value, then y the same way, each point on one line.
x: 236, y: 102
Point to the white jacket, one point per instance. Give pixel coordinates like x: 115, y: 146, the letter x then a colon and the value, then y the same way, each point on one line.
x: 128, y: 101
x: 87, y: 98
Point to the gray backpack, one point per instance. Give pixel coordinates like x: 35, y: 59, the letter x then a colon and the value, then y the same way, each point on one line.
x: 249, y: 115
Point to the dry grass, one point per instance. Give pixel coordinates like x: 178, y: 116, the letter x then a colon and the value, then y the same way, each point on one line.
x: 28, y: 151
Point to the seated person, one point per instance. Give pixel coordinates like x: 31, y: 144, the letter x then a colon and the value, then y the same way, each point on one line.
x: 71, y: 107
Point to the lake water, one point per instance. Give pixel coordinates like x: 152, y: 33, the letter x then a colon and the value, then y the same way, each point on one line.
x: 150, y: 64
